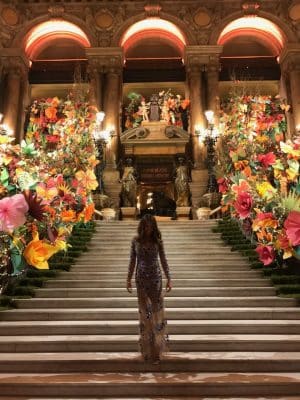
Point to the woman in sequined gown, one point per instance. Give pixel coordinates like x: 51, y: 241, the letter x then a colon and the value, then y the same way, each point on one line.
x: 146, y: 248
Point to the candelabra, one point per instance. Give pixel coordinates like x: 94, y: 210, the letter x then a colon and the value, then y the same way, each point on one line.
x: 209, y: 137
x: 101, y: 139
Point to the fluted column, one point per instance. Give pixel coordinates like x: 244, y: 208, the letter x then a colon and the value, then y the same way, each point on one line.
x: 16, y: 69
x: 290, y: 67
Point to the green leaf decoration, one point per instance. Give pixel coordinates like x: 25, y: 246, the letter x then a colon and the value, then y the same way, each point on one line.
x: 28, y: 148
x: 4, y: 177
x: 17, y: 260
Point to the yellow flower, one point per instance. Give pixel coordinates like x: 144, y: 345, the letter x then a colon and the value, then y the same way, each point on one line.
x: 38, y: 252
x: 87, y: 179
x: 265, y: 190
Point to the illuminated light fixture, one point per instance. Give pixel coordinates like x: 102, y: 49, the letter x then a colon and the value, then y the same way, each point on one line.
x: 153, y: 27
x: 260, y: 28
x: 46, y: 32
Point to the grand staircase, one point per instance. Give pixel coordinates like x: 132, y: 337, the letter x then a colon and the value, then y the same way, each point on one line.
x: 230, y: 336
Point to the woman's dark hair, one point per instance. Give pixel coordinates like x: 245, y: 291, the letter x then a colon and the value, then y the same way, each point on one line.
x: 148, y: 219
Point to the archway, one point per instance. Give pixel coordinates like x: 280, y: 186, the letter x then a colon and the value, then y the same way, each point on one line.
x: 154, y: 51
x: 56, y: 49
x: 251, y: 46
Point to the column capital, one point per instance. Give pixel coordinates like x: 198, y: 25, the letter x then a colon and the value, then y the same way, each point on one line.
x: 202, y: 55
x: 106, y: 59
x: 15, y: 61
x: 289, y: 58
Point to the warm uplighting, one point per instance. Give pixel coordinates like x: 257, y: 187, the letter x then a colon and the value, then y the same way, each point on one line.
x: 209, y: 114
x: 260, y: 28
x: 153, y: 27
x: 100, y: 116
x: 43, y: 34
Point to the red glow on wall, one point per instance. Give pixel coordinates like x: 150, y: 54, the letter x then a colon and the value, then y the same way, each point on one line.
x: 259, y: 28
x: 45, y: 33
x: 153, y: 28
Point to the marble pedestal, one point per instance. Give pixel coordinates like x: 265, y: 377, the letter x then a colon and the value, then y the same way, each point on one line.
x: 183, y: 213
x: 128, y: 213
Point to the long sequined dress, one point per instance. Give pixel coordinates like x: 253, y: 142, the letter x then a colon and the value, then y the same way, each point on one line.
x: 153, y: 325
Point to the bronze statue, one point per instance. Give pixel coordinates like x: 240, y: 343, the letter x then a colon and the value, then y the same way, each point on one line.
x: 182, y: 184
x: 129, y: 185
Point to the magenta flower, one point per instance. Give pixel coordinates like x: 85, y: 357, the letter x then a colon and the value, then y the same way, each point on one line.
x: 266, y: 254
x: 12, y: 212
x: 292, y: 227
x: 267, y: 159
x: 243, y: 204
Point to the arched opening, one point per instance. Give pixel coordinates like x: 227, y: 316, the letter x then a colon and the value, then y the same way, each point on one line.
x: 154, y: 69
x: 153, y: 51
x: 251, y: 46
x: 56, y: 49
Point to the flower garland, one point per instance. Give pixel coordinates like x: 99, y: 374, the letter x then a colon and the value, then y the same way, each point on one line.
x: 260, y: 175
x: 46, y: 182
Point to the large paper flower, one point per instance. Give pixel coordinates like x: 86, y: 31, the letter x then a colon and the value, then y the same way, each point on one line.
x: 266, y: 254
x: 243, y: 204
x: 38, y: 252
x: 87, y: 179
x: 292, y: 227
x: 267, y: 159
x: 12, y: 212
x: 223, y: 185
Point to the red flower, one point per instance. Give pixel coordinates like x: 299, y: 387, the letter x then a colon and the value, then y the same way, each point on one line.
x: 266, y: 254
x: 243, y: 204
x: 267, y: 159
x: 223, y: 185
x: 292, y: 227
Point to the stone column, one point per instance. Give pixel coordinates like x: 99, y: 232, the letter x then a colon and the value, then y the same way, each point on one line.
x: 107, y: 62
x: 290, y: 66
x: 95, y: 70
x: 194, y: 73
x: 16, y: 69
x: 106, y: 66
x: 213, y: 96
x: 112, y: 106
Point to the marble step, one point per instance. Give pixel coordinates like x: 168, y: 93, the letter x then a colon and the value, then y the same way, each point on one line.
x: 178, y: 343
x: 176, y: 292
x: 74, y: 277
x: 71, y: 279
x: 113, y: 269
x: 170, y: 302
x: 132, y: 362
x: 180, y: 258
x: 196, y: 265
x: 121, y: 314
x: 157, y: 384
x: 97, y: 273
x: 181, y: 327
x: 149, y: 398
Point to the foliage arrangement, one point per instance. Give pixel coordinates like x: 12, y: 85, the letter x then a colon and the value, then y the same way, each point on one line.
x: 259, y: 175
x: 46, y: 183
x: 173, y: 109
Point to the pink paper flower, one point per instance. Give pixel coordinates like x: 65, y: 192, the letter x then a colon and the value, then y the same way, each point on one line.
x: 292, y: 227
x: 266, y: 254
x: 243, y: 204
x: 12, y: 212
x: 267, y: 159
